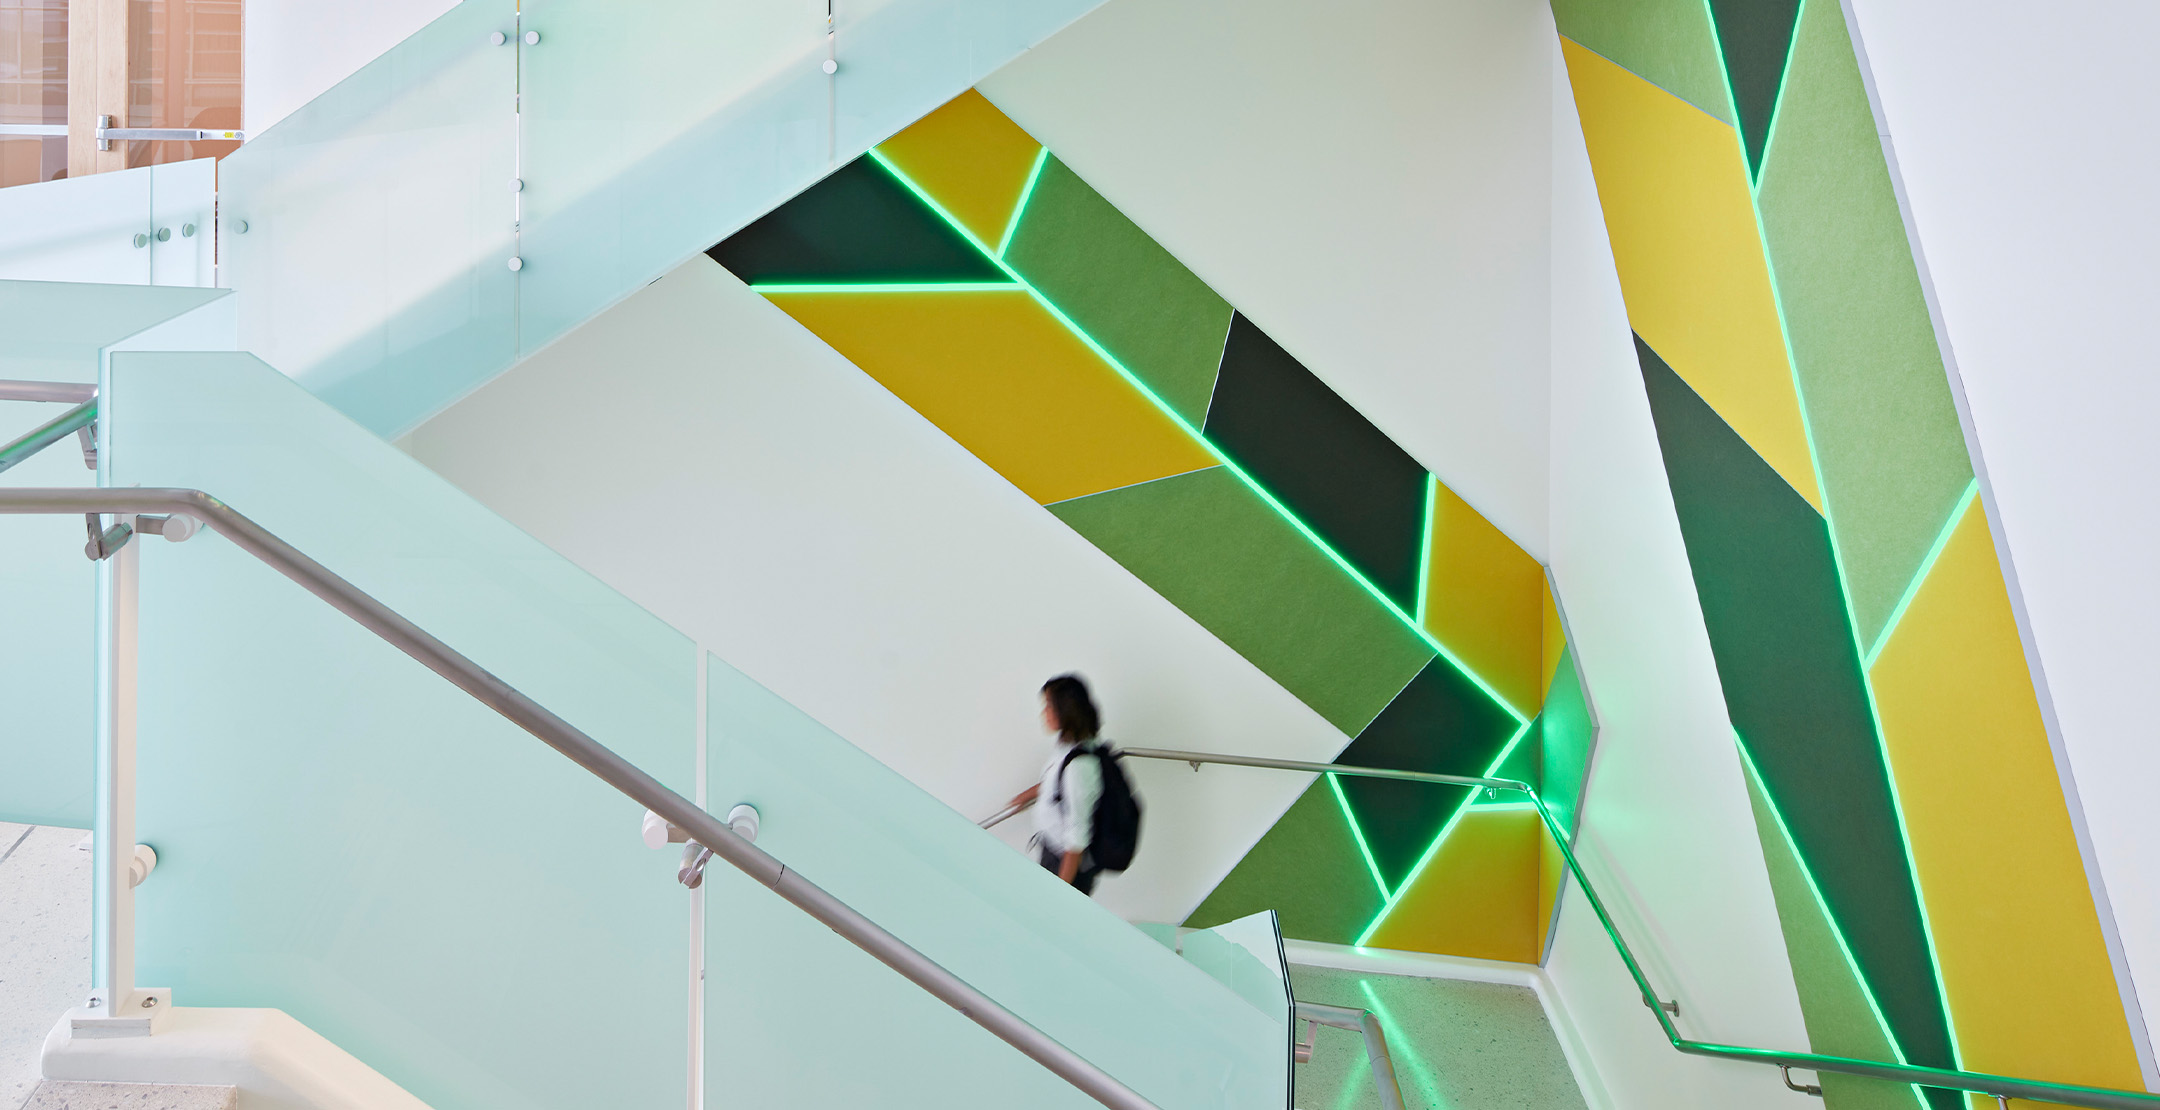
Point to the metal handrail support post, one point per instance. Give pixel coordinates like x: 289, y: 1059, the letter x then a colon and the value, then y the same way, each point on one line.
x: 1376, y: 1047
x: 596, y: 758
x: 45, y: 435
x: 1995, y: 1086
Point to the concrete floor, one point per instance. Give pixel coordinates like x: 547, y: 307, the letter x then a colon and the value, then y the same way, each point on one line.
x: 44, y: 945
x: 1457, y: 1046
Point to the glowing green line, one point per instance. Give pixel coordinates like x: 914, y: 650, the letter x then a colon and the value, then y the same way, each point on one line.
x: 1397, y: 1036
x: 1012, y: 223
x: 1433, y: 849
x: 1942, y: 540
x: 889, y: 287
x: 1837, y: 932
x: 1358, y: 834
x: 1227, y: 462
x: 1777, y: 103
x: 1822, y: 490
x: 1424, y: 564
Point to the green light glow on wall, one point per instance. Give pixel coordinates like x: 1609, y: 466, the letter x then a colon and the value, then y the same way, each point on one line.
x: 1357, y: 834
x: 1822, y: 906
x: 1424, y: 563
x: 1399, y: 1044
x: 1164, y: 407
x: 1942, y: 540
x: 1433, y: 849
x: 1026, y: 191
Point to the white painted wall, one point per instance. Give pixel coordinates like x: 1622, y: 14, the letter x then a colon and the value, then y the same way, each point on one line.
x: 701, y: 452
x: 2022, y: 136
x: 293, y: 50
x: 1667, y: 831
x: 1368, y: 182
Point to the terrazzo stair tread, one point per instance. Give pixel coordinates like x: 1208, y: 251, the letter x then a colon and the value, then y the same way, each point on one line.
x: 1459, y: 1045
x: 44, y: 945
x: 56, y: 1094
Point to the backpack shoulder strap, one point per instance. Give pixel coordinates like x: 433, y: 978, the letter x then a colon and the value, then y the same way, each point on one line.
x: 1057, y: 785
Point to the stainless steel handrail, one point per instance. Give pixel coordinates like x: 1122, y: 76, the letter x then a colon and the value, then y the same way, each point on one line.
x: 1376, y: 1047
x: 70, y: 393
x: 603, y: 763
x: 1996, y: 1086
x: 45, y: 435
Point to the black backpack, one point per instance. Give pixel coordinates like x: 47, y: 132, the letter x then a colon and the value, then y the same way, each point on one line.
x: 1114, y: 829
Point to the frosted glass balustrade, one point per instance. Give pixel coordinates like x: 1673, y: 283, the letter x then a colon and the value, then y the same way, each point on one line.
x: 371, y: 229
x: 845, y: 821
x: 344, y: 835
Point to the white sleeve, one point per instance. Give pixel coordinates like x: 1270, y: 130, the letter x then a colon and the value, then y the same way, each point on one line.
x: 1083, y: 788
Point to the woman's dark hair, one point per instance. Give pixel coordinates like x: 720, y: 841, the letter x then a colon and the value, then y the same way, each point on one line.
x: 1075, y: 710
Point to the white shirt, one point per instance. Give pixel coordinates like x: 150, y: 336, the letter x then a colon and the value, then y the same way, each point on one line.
x: 1068, y: 824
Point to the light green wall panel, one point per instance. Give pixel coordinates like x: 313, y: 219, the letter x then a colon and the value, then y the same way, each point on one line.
x: 1885, y: 431
x: 1668, y: 43
x: 1122, y: 288
x: 1839, y: 1021
x: 1210, y: 545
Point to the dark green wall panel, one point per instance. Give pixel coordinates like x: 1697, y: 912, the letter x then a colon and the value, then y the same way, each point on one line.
x: 1785, y: 655
x: 1322, y: 458
x: 1755, y: 36
x: 1210, y: 545
x: 1122, y: 288
x: 1440, y: 723
x: 1307, y: 869
x: 857, y: 225
x: 1885, y: 430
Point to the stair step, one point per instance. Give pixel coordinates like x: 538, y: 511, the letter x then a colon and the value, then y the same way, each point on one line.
x: 57, y: 1094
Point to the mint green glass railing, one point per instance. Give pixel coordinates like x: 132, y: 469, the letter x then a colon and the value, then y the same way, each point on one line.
x: 459, y: 203
x: 345, y: 836
x: 965, y: 900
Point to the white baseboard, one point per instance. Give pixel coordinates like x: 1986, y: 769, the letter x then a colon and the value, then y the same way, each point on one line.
x: 276, y: 1062
x: 1422, y: 965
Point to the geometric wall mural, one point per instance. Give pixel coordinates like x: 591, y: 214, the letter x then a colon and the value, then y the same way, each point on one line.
x: 974, y: 275
x: 1919, y: 844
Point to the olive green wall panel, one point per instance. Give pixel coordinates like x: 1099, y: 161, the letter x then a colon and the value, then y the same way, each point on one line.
x: 1880, y: 416
x: 1308, y: 869
x: 1564, y: 733
x: 1210, y: 545
x: 1122, y: 287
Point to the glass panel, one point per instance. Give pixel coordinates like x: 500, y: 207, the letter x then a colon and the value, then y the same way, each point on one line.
x: 345, y: 836
x: 183, y: 71
x: 378, y: 225
x: 1246, y: 955
x: 1071, y: 968
x: 33, y: 88
x: 78, y: 230
x: 635, y: 161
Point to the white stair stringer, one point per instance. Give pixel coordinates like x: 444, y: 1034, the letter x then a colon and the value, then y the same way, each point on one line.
x: 273, y: 1061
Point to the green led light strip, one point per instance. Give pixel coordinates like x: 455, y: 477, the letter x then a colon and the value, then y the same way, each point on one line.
x: 1431, y: 850
x: 1134, y: 380
x: 1822, y: 490
x: 1012, y: 224
x: 1425, y: 542
x: 1942, y: 540
x: 887, y: 287
x: 1822, y: 905
x: 1358, y: 834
